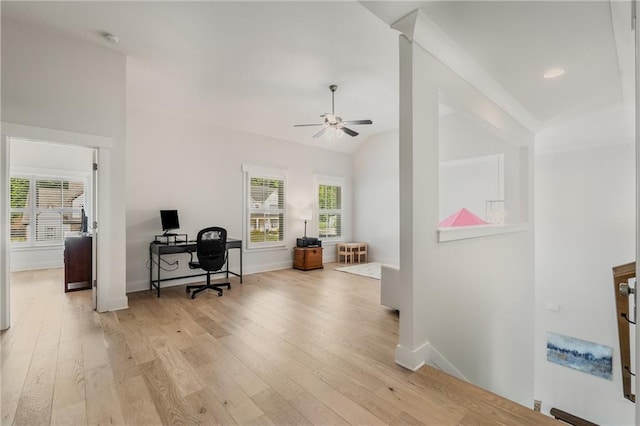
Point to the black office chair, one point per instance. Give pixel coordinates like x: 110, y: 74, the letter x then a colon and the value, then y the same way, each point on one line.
x: 211, y: 249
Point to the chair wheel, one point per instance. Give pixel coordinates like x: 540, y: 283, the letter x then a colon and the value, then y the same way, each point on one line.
x: 219, y: 293
x: 193, y: 296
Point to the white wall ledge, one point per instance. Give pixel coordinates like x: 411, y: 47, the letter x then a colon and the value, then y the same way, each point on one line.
x: 466, y: 232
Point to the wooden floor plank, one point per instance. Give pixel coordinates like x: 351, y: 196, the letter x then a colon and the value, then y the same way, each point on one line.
x: 136, y: 402
x: 103, y: 406
x: 315, y: 411
x: 342, y: 405
x: 69, y: 381
x: 74, y: 414
x: 268, y: 372
x: 36, y: 399
x: 278, y: 410
x: 172, y: 408
x: 233, y: 398
x: 284, y: 347
x: 208, y: 409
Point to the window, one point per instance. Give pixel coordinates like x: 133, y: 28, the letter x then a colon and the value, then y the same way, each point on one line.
x: 265, y: 209
x: 43, y: 209
x: 329, y: 210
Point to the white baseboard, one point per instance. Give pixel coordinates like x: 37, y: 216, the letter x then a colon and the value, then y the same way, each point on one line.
x: 412, y: 359
x: 426, y: 354
x: 118, y: 304
x: 32, y: 266
x: 266, y: 267
x: 142, y: 285
x: 443, y: 364
x: 134, y: 286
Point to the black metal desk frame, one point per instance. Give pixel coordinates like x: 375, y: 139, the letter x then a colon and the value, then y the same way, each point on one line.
x: 161, y: 249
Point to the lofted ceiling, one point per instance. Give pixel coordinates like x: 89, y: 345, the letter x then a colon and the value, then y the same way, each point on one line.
x: 263, y: 66
x: 516, y: 42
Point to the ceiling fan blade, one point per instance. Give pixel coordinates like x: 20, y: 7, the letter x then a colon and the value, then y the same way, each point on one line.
x: 320, y: 132
x: 306, y: 125
x: 348, y: 131
x: 358, y: 122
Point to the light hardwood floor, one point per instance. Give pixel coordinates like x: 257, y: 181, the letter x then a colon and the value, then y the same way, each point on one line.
x: 285, y: 347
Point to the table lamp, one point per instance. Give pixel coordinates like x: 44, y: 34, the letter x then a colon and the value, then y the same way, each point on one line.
x: 305, y: 215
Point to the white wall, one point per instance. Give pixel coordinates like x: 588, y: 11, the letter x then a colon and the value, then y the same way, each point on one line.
x: 54, y: 159
x: 585, y: 225
x: 196, y: 168
x: 376, y: 197
x: 465, y: 137
x: 56, y: 82
x: 466, y: 305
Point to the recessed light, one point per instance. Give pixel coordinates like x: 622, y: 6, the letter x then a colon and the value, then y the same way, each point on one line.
x: 553, y: 73
x: 111, y: 38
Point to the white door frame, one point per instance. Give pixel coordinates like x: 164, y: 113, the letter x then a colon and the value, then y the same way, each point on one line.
x: 40, y: 134
x: 636, y: 28
x: 5, y: 295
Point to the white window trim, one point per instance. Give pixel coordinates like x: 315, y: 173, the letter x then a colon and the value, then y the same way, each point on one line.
x: 34, y: 174
x: 250, y: 171
x: 335, y: 181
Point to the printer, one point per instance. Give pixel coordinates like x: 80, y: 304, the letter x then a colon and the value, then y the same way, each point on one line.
x: 308, y: 242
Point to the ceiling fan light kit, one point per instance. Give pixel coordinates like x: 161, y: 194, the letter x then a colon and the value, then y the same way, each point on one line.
x: 332, y: 121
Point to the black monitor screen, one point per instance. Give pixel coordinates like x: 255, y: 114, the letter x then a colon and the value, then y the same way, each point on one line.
x: 169, y: 219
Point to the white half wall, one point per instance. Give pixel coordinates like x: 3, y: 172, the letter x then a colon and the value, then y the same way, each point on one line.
x: 196, y: 168
x: 470, y: 300
x: 55, y: 82
x: 585, y: 225
x: 376, y: 184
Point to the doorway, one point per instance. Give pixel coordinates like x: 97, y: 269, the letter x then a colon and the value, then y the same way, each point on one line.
x: 51, y: 207
x: 98, y: 150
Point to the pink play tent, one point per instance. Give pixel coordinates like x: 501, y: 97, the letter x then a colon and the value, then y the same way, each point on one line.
x: 462, y: 217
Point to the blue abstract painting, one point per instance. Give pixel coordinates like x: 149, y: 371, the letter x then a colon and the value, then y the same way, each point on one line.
x: 580, y: 355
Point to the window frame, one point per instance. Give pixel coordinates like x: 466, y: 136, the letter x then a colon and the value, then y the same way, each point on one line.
x: 250, y: 172
x: 35, y: 175
x: 330, y: 181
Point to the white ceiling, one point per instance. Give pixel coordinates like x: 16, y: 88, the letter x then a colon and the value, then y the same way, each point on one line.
x: 263, y: 66
x: 517, y: 41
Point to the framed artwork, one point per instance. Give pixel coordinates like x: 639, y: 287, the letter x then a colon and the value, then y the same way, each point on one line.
x: 581, y: 355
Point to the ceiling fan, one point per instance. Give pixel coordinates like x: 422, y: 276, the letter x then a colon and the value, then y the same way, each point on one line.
x: 332, y: 121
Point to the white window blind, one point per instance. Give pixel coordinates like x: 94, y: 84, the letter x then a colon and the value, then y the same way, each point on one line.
x: 329, y: 210
x: 43, y: 209
x: 20, y: 210
x: 266, y: 202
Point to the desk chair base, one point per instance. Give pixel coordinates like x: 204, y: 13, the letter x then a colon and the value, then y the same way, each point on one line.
x: 202, y: 287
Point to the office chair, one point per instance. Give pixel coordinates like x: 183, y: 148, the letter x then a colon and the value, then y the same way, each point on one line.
x: 211, y: 249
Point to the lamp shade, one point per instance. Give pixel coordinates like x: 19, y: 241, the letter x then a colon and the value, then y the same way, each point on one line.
x: 306, y: 215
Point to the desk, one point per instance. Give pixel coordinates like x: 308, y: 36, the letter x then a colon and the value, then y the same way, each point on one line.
x: 161, y: 249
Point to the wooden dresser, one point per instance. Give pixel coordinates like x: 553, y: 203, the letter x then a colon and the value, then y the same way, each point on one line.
x: 77, y: 263
x: 306, y: 258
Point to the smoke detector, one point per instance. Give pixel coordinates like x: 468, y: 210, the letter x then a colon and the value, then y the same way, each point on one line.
x: 111, y: 38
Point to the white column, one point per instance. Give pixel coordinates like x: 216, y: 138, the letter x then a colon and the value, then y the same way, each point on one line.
x: 5, y: 288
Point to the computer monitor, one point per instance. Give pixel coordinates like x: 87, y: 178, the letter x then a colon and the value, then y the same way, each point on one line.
x: 169, y: 220
x: 84, y: 222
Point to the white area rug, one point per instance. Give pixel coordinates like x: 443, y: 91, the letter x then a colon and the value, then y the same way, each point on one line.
x: 370, y: 270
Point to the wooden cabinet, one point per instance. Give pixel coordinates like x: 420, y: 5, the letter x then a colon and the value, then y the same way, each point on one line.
x: 306, y: 258
x: 77, y: 263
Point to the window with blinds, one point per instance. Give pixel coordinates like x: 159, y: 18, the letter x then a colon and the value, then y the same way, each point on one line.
x: 266, y: 211
x: 329, y: 210
x: 43, y: 209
